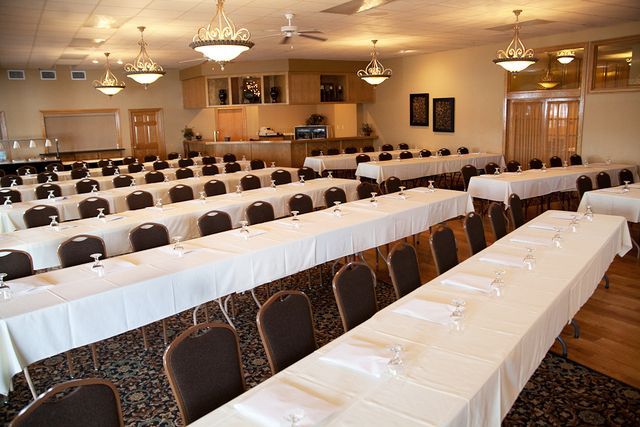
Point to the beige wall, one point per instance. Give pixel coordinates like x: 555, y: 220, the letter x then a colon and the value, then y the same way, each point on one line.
x: 611, y: 125
x: 22, y: 101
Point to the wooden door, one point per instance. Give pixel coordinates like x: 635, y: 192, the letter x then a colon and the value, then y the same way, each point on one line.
x: 230, y: 122
x: 147, y: 133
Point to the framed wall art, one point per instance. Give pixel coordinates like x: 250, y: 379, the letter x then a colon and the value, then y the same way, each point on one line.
x: 444, y: 114
x: 419, y: 109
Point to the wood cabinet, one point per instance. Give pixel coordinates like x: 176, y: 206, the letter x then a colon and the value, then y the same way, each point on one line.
x: 304, y: 88
x: 359, y: 91
x: 194, y: 92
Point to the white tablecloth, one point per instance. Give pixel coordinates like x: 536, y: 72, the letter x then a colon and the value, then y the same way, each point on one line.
x: 535, y: 182
x: 613, y: 201
x: 429, y: 166
x: 470, y: 378
x: 346, y: 161
x: 144, y: 287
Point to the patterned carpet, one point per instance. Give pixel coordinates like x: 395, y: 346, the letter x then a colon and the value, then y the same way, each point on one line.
x: 561, y: 392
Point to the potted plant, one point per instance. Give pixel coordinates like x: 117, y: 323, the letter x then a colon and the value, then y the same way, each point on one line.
x: 187, y: 133
x: 367, y: 130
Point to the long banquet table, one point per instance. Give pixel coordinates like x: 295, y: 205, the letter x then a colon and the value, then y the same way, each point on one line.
x: 468, y: 378
x: 537, y: 182
x: 346, y: 161
x: 417, y: 167
x: 144, y: 287
x: 179, y: 218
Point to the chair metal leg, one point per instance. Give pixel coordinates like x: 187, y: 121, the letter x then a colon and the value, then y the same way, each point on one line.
x: 70, y: 363
x: 144, y: 338
x: 164, y: 330
x: 223, y: 308
x: 255, y: 298
x: 94, y: 356
x: 32, y: 388
x: 576, y: 328
x: 563, y: 344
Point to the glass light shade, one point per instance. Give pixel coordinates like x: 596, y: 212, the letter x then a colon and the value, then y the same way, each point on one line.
x: 145, y: 78
x: 515, y: 65
x: 47, y: 143
x: 221, y: 51
x: 374, y: 73
x: 565, y: 59
x: 374, y: 80
x: 32, y: 144
x: 109, y: 84
x: 110, y: 90
x: 548, y: 85
x: 143, y: 69
x: 16, y: 145
x: 515, y: 57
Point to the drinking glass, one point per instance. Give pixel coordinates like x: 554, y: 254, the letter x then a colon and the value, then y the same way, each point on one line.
x: 51, y: 195
x: 573, y: 225
x: 54, y: 222
x: 302, y: 179
x: 565, y: 164
x: 373, y: 200
x: 401, y: 193
x: 457, y: 316
x: 529, y: 260
x: 49, y: 178
x: 110, y: 163
x: 273, y: 184
x: 203, y: 196
x: 295, y: 220
x: 116, y: 172
x: 55, y: 169
x: 294, y: 416
x: 544, y: 167
x: 159, y: 203
x: 608, y: 161
x: 498, y: 283
x: 196, y: 174
x: 321, y: 153
x: 101, y: 216
x: 244, y: 230
x: 247, y: 168
x: 157, y: 158
x: 519, y: 169
x: 7, y: 201
x: 496, y: 171
x: 195, y: 162
x: 178, y: 249
x: 589, y: 214
x: 626, y: 186
x: 238, y: 189
x: 244, y: 159
x: 337, y: 211
x: 394, y: 365
x: 97, y: 267
x: 133, y: 183
x: 5, y: 291
x: 88, y: 175
x: 330, y: 175
x: 14, y: 183
x: 199, y: 154
x: 273, y: 164
x: 586, y: 163
x: 166, y: 178
x: 94, y: 188
x: 431, y: 188
x: 420, y: 154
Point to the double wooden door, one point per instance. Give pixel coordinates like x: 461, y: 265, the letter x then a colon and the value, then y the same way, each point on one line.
x: 147, y: 133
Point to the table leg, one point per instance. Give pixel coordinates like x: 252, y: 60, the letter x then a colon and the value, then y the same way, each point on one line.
x: 32, y: 388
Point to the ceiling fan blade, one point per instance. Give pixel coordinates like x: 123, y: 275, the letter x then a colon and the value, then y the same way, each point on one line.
x: 285, y: 40
x: 310, y: 32
x: 322, y: 39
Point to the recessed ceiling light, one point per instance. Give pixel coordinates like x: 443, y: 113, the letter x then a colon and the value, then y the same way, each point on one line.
x: 120, y: 62
x: 95, y: 61
x: 408, y: 51
x: 101, y: 21
x: 99, y: 40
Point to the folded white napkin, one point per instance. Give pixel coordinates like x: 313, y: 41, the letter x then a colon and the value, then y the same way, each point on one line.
x: 111, y: 265
x: 532, y: 240
x: 396, y: 196
x: 29, y: 285
x: 426, y: 310
x: 469, y: 281
x: 508, y: 260
x: 157, y: 209
x: 252, y: 233
x: 329, y: 211
x: 418, y: 190
x: 565, y: 215
x: 617, y: 190
x: 359, y: 355
x: 275, y: 404
x: 548, y: 226
x: 186, y: 250
x: 298, y: 183
x: 287, y: 223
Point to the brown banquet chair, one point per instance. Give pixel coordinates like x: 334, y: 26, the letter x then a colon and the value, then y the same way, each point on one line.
x: 139, y: 199
x: 404, y: 269
x: 214, y: 188
x: 214, y: 222
x: 498, y: 220
x: 39, y: 215
x: 259, y: 212
x: 147, y: 236
x: 88, y: 207
x: 15, y: 264
x: 78, y: 250
x: 180, y: 193
x: 474, y: 231
x: 301, y: 203
x: 354, y: 290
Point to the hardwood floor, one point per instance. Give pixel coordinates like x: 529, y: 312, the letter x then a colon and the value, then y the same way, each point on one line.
x: 610, y: 321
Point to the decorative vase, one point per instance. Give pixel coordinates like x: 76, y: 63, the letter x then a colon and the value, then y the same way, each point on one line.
x: 222, y: 96
x: 274, y: 93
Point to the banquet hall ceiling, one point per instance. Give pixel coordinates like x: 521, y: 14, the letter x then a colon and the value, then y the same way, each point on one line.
x: 73, y: 33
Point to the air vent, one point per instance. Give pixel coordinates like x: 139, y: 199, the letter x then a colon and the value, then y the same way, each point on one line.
x: 15, y: 74
x: 47, y: 74
x: 78, y: 75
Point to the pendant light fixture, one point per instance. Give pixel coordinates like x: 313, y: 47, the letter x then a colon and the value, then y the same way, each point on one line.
x: 565, y: 56
x: 220, y: 41
x: 109, y: 84
x: 374, y: 73
x: 515, y: 57
x: 548, y: 82
x: 143, y: 69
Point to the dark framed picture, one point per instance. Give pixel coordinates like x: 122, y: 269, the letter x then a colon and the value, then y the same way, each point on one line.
x: 444, y: 114
x: 419, y: 109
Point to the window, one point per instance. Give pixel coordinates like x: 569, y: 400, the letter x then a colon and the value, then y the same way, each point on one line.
x: 549, y: 73
x: 616, y: 64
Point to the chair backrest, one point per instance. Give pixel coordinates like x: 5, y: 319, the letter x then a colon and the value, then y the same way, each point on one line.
x: 122, y: 181
x: 307, y: 172
x: 148, y: 235
x: 153, y: 176
x: 603, y: 180
x: 285, y: 323
x: 135, y: 167
x: 462, y: 150
x: 85, y: 185
x: 350, y: 150
x: 184, y: 172
x: 555, y: 162
x: 88, y: 207
x: 47, y: 177
x: 281, y: 176
x: 315, y: 153
x: 13, y: 195
x: 15, y: 264
x: 7, y: 180
x: 109, y: 170
x: 625, y: 175
x: 334, y: 194
x: 229, y: 157
x: 384, y: 156
x: 468, y: 171
x: 474, y: 230
x: 425, y: 153
x: 391, y: 185
x: 512, y: 165
x: 362, y: 158
x: 250, y: 182
x: 160, y: 165
x: 443, y: 248
x: 204, y: 369
x: 139, y: 199
x: 78, y: 165
x: 42, y: 190
x: 232, y: 167
x: 128, y: 160
x: 183, y: 163
x: 403, y: 146
x: 52, y: 167
x: 491, y: 168
x: 214, y: 222
x: 208, y: 160
x: 180, y: 193
x: 535, y: 163
x: 259, y: 212
x: 444, y: 152
x: 193, y: 153
x: 354, y: 289
x: 368, y: 149
x: 79, y: 173
x: 515, y: 211
x: 76, y: 403
x: 26, y: 170
x: 365, y: 189
x: 498, y: 220
x: 404, y: 269
x: 210, y: 169
x: 386, y: 147
x: 301, y: 202
x: 150, y: 157
x: 333, y: 152
x: 575, y: 159
x: 173, y: 155
x: 214, y: 188
x: 584, y: 184
x: 256, y: 164
x: 104, y: 162
x: 78, y: 250
x: 406, y: 155
x: 38, y: 215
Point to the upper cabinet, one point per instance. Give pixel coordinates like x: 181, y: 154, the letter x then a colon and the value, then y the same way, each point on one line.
x: 304, y: 88
x: 359, y: 91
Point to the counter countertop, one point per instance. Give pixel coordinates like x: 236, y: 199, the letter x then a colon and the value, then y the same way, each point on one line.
x: 286, y: 141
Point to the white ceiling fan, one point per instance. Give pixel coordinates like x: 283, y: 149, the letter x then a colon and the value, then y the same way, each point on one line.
x: 288, y: 31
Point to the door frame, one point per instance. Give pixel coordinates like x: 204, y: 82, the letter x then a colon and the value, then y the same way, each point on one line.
x: 162, y: 148
x: 3, y: 126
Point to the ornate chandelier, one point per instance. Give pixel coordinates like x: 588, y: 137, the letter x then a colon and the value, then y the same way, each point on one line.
x: 548, y: 81
x: 220, y: 41
x: 109, y: 85
x: 143, y: 69
x: 565, y: 56
x: 515, y: 57
x: 374, y: 73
